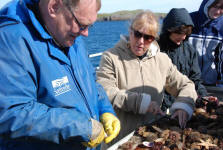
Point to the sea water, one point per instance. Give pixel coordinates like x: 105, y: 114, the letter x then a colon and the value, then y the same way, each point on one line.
x: 104, y: 35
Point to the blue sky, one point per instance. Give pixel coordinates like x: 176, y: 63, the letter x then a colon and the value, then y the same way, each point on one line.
x: 164, y: 6
x: 154, y: 5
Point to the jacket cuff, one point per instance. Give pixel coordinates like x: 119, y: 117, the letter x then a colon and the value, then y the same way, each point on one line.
x: 96, y: 129
x: 180, y: 105
x: 146, y: 99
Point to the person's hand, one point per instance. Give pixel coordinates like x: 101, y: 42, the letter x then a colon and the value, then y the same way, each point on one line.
x: 155, y: 108
x: 212, y: 99
x: 97, y: 136
x: 111, y: 125
x: 207, y: 101
x: 182, y: 117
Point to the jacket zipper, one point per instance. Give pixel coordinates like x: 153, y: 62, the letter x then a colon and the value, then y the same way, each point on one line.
x: 203, y: 47
x: 140, y: 66
x: 80, y: 91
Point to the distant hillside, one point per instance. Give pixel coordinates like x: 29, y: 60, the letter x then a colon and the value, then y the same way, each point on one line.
x: 123, y: 15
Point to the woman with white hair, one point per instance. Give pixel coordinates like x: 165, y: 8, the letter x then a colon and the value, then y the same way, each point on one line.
x: 135, y: 74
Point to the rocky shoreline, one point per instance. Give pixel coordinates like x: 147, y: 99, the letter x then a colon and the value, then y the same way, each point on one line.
x: 124, y: 15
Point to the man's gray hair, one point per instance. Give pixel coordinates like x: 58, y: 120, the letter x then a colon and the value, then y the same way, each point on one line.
x: 74, y: 3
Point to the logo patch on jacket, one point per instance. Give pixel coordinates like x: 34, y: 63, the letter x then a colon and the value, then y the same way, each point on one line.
x: 61, y: 86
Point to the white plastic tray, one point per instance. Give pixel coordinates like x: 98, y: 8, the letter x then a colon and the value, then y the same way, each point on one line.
x: 122, y: 141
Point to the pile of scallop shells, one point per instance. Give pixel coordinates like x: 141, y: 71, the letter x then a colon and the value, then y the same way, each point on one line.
x: 203, y: 132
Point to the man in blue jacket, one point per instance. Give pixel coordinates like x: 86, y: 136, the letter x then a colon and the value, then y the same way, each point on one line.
x: 207, y: 38
x: 49, y: 99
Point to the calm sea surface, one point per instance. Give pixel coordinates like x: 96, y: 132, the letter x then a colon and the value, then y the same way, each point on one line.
x: 104, y: 35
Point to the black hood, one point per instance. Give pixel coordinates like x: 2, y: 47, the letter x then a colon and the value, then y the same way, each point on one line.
x: 175, y: 18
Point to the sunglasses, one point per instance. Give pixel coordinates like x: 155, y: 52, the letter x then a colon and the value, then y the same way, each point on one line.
x: 82, y: 27
x: 146, y: 37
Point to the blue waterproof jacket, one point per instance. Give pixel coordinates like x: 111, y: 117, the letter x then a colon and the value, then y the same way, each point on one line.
x: 207, y: 38
x: 46, y: 97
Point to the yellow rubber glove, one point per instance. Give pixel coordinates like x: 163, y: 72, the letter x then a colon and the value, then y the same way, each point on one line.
x: 98, y: 134
x: 111, y: 125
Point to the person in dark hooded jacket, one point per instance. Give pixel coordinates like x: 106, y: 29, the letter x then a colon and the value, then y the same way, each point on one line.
x: 177, y: 25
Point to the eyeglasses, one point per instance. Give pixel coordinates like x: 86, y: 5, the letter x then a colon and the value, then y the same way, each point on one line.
x: 146, y: 37
x: 82, y: 27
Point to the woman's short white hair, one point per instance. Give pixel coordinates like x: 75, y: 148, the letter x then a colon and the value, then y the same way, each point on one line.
x: 146, y: 21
